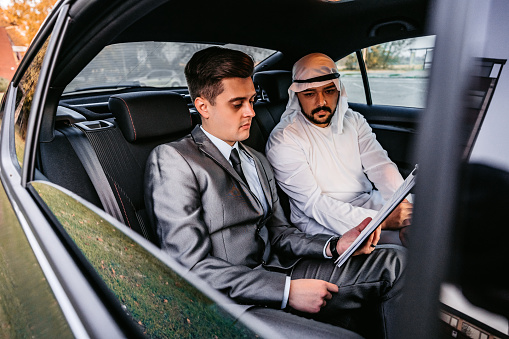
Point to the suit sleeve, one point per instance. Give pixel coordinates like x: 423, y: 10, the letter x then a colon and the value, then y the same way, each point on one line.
x: 173, y: 199
x: 285, y: 238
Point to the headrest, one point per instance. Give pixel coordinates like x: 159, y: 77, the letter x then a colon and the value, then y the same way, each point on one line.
x: 142, y: 115
x: 274, y: 83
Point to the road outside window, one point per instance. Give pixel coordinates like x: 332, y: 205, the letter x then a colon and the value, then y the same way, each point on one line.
x: 397, y: 71
x: 351, y: 78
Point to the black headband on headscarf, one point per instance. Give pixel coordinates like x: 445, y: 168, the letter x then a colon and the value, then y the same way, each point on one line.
x: 325, y: 77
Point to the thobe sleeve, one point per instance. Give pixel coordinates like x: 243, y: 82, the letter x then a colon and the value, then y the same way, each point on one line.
x: 379, y: 168
x: 297, y: 180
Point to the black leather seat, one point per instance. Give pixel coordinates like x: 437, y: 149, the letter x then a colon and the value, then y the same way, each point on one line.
x: 143, y: 120
x: 481, y: 237
x: 274, y: 86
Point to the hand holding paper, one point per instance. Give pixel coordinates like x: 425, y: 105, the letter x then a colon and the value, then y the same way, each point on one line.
x: 400, y: 217
x: 349, y: 237
x: 365, y: 235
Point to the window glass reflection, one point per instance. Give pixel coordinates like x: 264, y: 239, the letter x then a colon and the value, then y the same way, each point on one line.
x: 24, y: 96
x: 162, y: 303
x: 145, y: 64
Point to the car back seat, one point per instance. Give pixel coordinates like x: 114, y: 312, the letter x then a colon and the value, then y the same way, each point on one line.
x: 274, y: 86
x: 142, y: 121
x: 58, y: 162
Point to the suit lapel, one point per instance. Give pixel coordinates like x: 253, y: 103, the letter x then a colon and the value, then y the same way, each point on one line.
x: 262, y: 175
x: 263, y: 232
x: 209, y: 149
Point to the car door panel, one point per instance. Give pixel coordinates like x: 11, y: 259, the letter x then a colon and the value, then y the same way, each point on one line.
x: 31, y: 309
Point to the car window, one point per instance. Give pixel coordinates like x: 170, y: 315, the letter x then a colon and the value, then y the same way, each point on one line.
x: 24, y: 94
x: 397, y: 72
x: 145, y: 64
x: 160, y: 302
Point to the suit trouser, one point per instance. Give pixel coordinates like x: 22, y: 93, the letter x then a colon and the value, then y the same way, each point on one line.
x: 369, y: 290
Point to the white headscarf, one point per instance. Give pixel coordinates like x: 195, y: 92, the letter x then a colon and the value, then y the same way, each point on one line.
x: 314, y: 67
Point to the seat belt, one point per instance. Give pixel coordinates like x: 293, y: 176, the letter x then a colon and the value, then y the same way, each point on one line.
x: 90, y: 162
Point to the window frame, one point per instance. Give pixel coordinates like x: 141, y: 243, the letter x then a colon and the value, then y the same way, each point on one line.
x: 364, y: 74
x: 84, y: 312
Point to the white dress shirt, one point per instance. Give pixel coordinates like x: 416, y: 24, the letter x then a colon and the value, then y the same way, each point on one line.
x: 328, y: 172
x: 248, y: 167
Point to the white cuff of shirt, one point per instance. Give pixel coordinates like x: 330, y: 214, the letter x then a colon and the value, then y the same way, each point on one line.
x: 325, y: 248
x: 286, y: 292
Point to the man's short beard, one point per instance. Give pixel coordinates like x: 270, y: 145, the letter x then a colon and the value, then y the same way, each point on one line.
x: 311, y: 117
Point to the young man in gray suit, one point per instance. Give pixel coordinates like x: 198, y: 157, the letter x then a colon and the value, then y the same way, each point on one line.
x: 216, y: 210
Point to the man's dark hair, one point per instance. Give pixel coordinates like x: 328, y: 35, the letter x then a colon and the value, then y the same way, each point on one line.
x: 208, y: 67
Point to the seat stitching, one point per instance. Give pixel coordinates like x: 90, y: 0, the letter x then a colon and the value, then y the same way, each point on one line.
x: 130, y: 117
x: 120, y: 198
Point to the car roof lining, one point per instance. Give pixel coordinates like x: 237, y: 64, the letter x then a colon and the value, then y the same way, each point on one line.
x: 208, y: 22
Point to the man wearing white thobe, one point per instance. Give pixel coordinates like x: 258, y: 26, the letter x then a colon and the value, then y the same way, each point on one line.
x: 326, y: 158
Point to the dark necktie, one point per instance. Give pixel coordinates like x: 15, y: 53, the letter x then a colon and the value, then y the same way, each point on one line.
x: 235, y: 159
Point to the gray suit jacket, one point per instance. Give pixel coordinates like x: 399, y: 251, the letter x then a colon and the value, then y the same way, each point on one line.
x: 209, y: 220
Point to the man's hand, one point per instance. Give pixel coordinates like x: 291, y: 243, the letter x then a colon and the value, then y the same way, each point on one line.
x: 367, y: 246
x: 349, y: 237
x: 310, y: 295
x: 400, y: 217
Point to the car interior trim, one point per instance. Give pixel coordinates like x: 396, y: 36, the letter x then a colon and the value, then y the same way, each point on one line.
x: 38, y: 101
x: 10, y: 175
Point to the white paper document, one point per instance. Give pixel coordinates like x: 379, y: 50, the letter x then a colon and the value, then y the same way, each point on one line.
x: 382, y: 214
